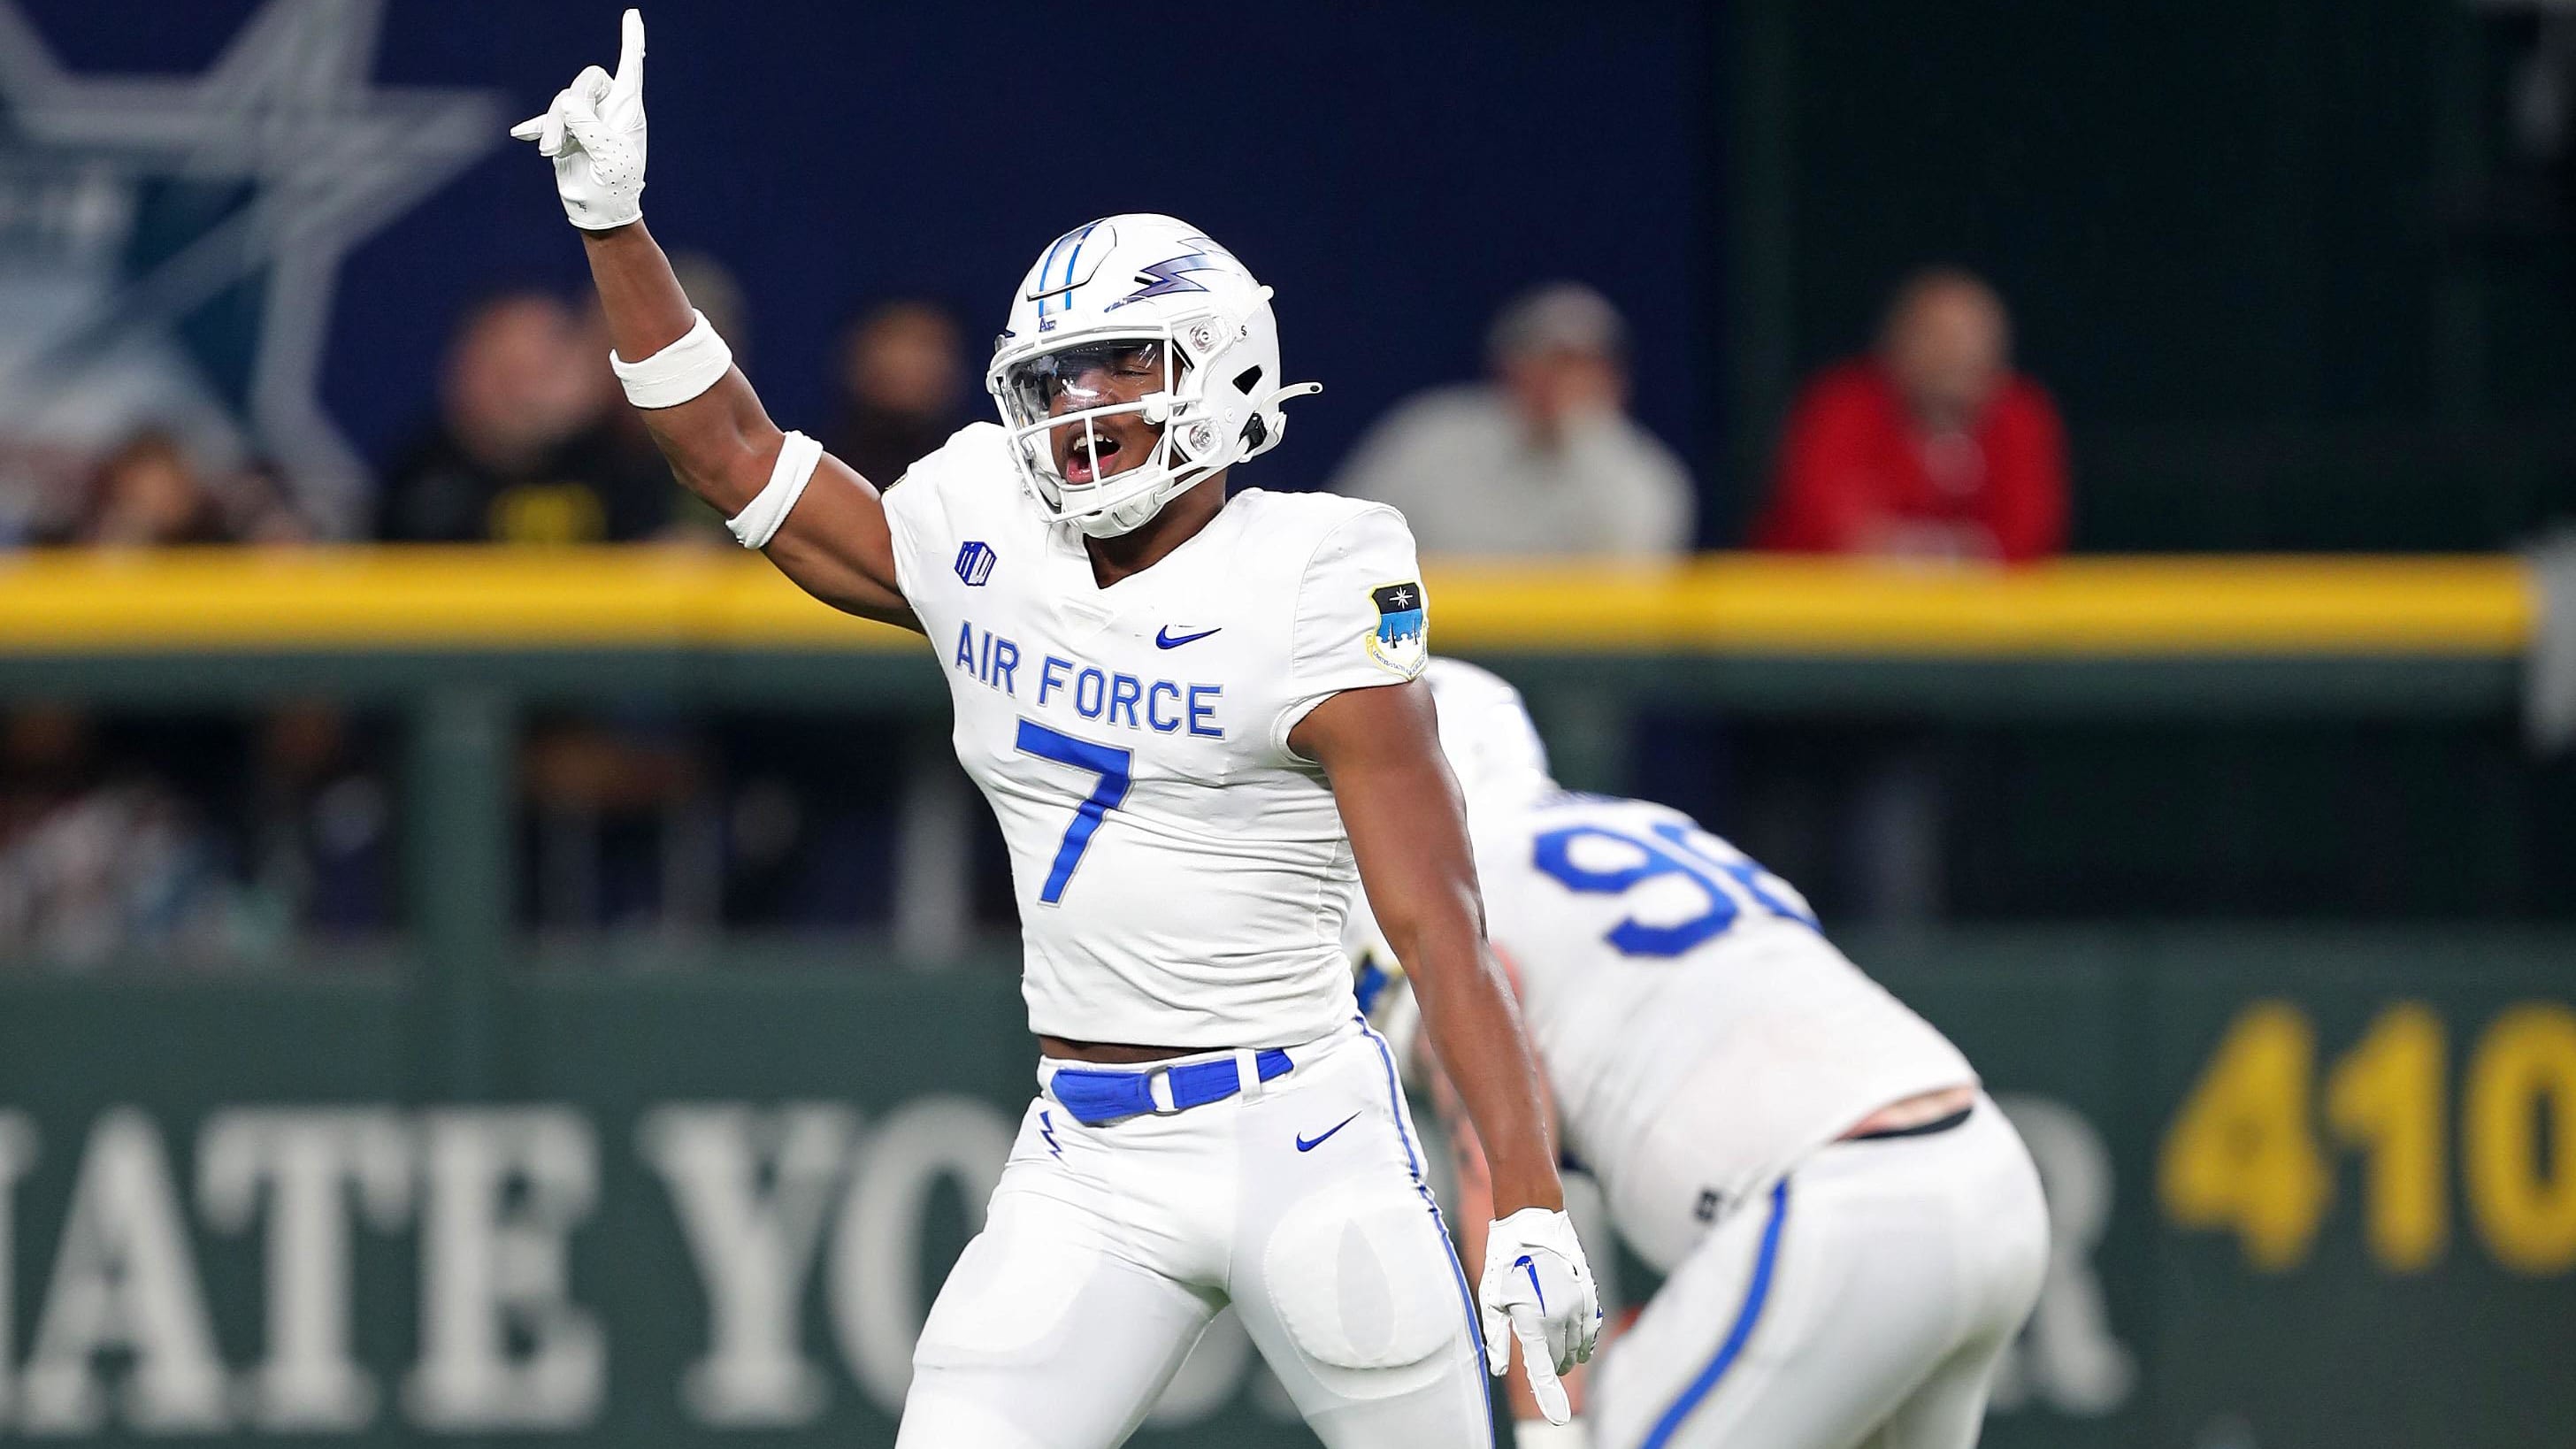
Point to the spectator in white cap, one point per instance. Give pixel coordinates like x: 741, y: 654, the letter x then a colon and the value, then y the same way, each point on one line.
x: 1542, y: 459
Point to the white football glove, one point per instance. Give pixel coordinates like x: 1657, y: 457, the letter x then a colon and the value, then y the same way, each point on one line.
x: 1538, y: 1288
x: 594, y: 133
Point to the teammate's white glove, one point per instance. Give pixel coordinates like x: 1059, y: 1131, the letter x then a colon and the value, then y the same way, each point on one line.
x: 1538, y: 1288
x: 594, y: 133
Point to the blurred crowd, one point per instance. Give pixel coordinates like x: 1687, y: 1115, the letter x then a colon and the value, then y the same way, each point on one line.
x: 218, y: 839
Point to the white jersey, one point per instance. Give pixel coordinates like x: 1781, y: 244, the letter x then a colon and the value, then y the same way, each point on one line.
x: 1182, y: 877
x: 1701, y: 1035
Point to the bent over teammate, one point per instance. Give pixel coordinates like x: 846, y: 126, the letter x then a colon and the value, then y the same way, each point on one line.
x: 1199, y: 724
x: 1852, y: 1230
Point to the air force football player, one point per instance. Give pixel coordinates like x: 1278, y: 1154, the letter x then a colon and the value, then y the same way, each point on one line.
x: 1199, y: 723
x: 1852, y: 1231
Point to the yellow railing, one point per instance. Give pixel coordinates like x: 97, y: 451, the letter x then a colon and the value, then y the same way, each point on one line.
x: 468, y: 599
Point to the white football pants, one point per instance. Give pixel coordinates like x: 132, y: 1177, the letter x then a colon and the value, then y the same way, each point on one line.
x: 1863, y: 1301
x: 1107, y: 1249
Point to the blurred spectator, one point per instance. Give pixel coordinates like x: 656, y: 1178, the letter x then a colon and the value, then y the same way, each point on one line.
x: 145, y: 494
x: 318, y: 836
x: 535, y: 444
x: 1932, y: 448
x: 902, y: 375
x: 1543, y: 459
x: 119, y: 843
x: 98, y: 857
x: 526, y: 447
x: 150, y: 493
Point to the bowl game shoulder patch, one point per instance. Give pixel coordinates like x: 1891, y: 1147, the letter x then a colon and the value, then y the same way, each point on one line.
x: 1401, y: 642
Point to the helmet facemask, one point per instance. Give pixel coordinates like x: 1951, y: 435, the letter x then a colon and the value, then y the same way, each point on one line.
x: 1073, y: 386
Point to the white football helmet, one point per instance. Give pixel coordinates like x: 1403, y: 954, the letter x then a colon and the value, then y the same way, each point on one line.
x: 1138, y: 291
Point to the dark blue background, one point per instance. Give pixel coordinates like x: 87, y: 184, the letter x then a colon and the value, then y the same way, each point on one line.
x: 1394, y: 170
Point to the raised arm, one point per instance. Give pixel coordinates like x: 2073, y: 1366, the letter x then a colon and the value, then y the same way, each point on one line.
x: 1381, y: 748
x: 820, y: 522
x: 834, y: 543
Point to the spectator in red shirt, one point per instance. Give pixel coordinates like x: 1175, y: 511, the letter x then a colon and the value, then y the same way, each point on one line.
x: 1933, y: 447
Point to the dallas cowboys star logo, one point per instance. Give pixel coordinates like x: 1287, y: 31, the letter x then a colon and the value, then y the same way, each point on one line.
x: 134, y: 206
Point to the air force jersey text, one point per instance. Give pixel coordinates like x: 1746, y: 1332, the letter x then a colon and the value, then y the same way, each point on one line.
x: 1181, y: 875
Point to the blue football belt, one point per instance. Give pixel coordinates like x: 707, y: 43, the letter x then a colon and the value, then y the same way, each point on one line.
x: 1098, y: 1098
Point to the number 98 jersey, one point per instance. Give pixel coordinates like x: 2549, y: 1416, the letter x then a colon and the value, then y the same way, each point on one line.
x: 1701, y: 1035
x: 1181, y: 875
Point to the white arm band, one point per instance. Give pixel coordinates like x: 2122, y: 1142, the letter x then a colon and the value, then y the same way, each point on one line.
x: 677, y: 373
x: 758, y: 522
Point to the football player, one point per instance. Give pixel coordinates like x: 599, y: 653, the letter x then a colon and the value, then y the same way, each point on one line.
x: 1853, y: 1232
x: 1200, y: 724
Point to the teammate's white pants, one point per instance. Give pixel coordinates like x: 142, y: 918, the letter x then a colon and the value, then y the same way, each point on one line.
x: 1863, y: 1300
x: 1107, y: 1249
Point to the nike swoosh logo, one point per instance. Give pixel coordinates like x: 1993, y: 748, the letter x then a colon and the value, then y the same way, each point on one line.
x: 1310, y: 1144
x: 1525, y: 1265
x: 1163, y: 637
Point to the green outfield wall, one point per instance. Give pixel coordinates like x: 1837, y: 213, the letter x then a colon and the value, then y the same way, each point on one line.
x: 2311, y: 1188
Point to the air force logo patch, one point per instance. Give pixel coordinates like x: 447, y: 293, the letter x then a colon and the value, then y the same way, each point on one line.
x: 1401, y: 642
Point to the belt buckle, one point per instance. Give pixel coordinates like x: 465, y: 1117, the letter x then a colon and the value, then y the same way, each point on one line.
x: 1158, y: 1092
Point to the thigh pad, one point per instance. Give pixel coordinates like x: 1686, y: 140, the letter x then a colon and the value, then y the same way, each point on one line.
x: 1361, y: 1277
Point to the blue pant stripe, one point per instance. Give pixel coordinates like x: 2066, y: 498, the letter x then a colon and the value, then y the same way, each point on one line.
x: 1413, y: 1160
x: 1755, y: 1294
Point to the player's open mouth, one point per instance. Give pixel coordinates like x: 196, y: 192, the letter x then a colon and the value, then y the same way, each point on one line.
x: 1089, y: 464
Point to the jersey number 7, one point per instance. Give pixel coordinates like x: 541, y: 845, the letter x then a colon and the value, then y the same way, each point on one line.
x: 1109, y: 763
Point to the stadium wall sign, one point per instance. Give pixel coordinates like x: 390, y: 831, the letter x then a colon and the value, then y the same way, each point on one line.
x: 2308, y: 1188
x: 491, y: 1197
x: 775, y: 1206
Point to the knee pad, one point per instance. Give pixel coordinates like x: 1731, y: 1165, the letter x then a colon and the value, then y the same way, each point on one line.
x: 1362, y: 1278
